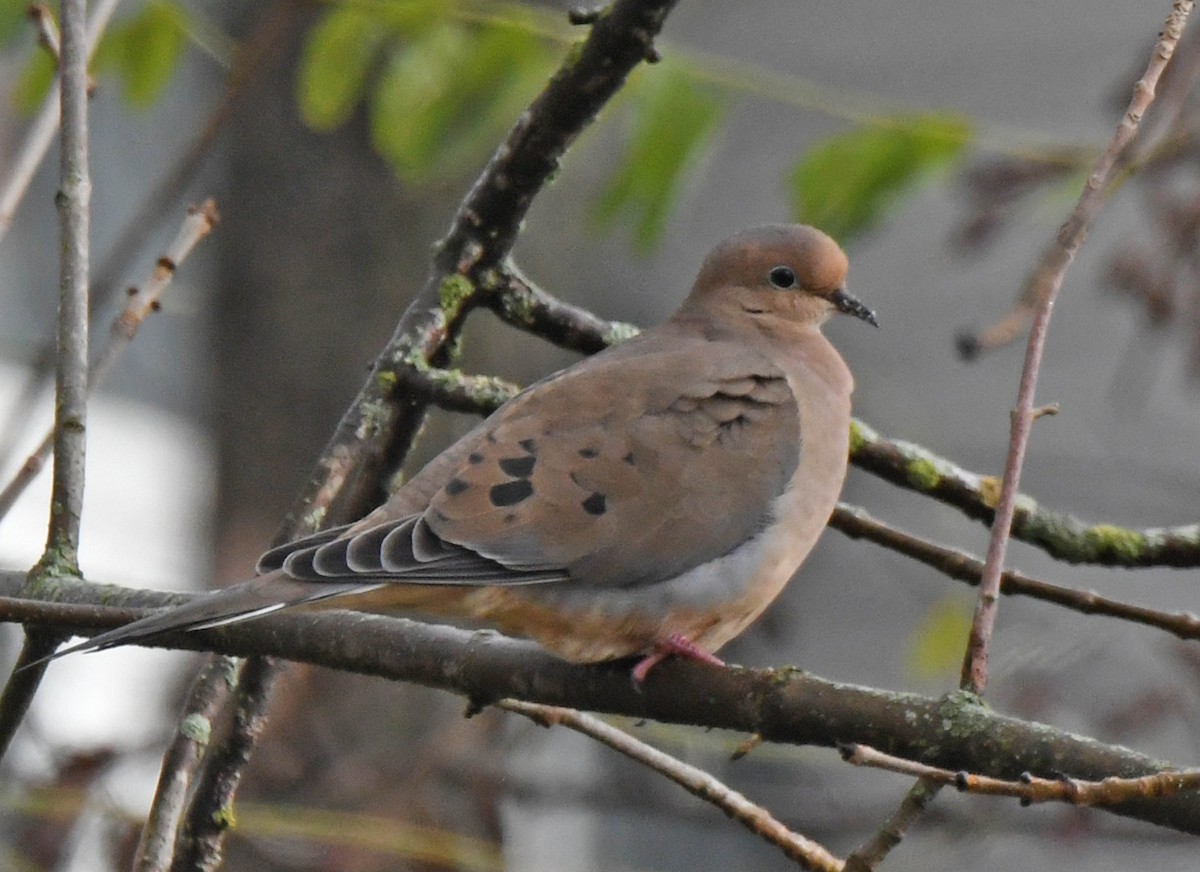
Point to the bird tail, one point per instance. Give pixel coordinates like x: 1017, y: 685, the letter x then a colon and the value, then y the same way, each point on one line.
x: 232, y: 605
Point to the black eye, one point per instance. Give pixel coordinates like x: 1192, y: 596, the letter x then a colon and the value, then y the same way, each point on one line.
x: 783, y: 277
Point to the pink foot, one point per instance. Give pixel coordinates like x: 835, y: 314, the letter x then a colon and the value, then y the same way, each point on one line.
x: 675, y: 645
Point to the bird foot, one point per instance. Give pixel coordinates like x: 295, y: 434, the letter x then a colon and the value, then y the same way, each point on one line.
x: 674, y: 645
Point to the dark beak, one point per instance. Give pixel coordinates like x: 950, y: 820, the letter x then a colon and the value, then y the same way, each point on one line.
x: 851, y: 305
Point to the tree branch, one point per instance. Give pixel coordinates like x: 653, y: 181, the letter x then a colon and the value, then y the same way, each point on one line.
x: 1043, y: 287
x: 1061, y: 535
x: 138, y: 306
x: 809, y: 854
x: 74, y: 199
x: 192, y: 736
x: 782, y: 705
x: 857, y: 523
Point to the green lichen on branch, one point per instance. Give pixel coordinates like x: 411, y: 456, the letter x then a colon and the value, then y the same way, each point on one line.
x: 923, y: 474
x: 197, y: 728
x: 1060, y: 534
x: 620, y: 331
x: 454, y: 294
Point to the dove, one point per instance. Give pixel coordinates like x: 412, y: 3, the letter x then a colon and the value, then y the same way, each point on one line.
x: 650, y: 500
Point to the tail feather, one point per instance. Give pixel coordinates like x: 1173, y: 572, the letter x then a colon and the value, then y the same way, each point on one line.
x: 232, y: 605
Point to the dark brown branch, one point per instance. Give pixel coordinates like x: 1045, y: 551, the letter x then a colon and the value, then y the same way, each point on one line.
x: 523, y: 304
x: 24, y: 681
x: 858, y: 524
x: 200, y: 843
x: 192, y: 735
x: 782, y: 705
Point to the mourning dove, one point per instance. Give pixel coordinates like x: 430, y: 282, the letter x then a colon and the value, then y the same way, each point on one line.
x: 650, y: 500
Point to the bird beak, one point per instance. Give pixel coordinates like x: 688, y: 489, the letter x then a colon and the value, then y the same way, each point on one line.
x: 850, y: 305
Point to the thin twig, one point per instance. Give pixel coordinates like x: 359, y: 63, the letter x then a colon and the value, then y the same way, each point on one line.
x: 254, y: 52
x: 47, y: 30
x: 1038, y: 300
x: 891, y: 832
x: 41, y: 132
x: 857, y: 523
x: 1040, y: 289
x: 1045, y: 282
x: 806, y: 852
x: 1029, y: 788
x: 138, y: 306
x: 204, y: 700
x: 74, y: 199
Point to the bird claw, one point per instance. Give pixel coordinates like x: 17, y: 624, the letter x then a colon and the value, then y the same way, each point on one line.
x: 674, y: 645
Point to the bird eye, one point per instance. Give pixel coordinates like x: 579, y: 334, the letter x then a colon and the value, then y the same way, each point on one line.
x: 782, y: 277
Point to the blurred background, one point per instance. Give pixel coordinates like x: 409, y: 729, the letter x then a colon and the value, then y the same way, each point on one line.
x: 210, y: 425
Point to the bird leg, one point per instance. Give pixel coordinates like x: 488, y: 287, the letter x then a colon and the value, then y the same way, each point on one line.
x: 673, y: 645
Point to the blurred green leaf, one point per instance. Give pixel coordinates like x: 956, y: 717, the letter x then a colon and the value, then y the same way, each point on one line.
x: 936, y: 646
x: 674, y: 119
x: 14, y: 19
x: 448, y: 92
x: 332, y: 74
x: 34, y: 82
x: 845, y: 183
x: 144, y: 51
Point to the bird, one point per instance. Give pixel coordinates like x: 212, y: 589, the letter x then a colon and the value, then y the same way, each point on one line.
x: 649, y: 501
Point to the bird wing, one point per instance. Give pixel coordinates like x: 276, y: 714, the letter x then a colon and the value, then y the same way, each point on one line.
x: 627, y: 469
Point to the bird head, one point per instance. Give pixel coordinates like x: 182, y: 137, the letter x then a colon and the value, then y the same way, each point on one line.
x: 777, y: 274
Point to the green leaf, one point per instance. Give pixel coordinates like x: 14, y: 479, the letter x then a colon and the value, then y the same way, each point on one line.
x: 34, y: 82
x: 845, y: 183
x: 332, y: 75
x: 14, y: 20
x: 448, y: 92
x: 935, y: 648
x: 144, y: 51
x: 674, y: 119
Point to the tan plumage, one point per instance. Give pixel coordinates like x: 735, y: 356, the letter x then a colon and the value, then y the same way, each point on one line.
x: 651, y: 499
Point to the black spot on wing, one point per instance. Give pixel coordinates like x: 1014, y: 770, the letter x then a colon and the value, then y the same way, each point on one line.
x: 511, y: 492
x: 518, y: 467
x: 529, y: 445
x: 588, y: 453
x: 455, y: 486
x: 596, y: 504
x: 474, y: 458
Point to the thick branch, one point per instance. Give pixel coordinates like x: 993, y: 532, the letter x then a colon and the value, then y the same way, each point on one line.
x: 782, y: 705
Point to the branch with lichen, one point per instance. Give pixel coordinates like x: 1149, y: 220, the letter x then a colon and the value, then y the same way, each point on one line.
x: 956, y: 732
x: 1061, y: 535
